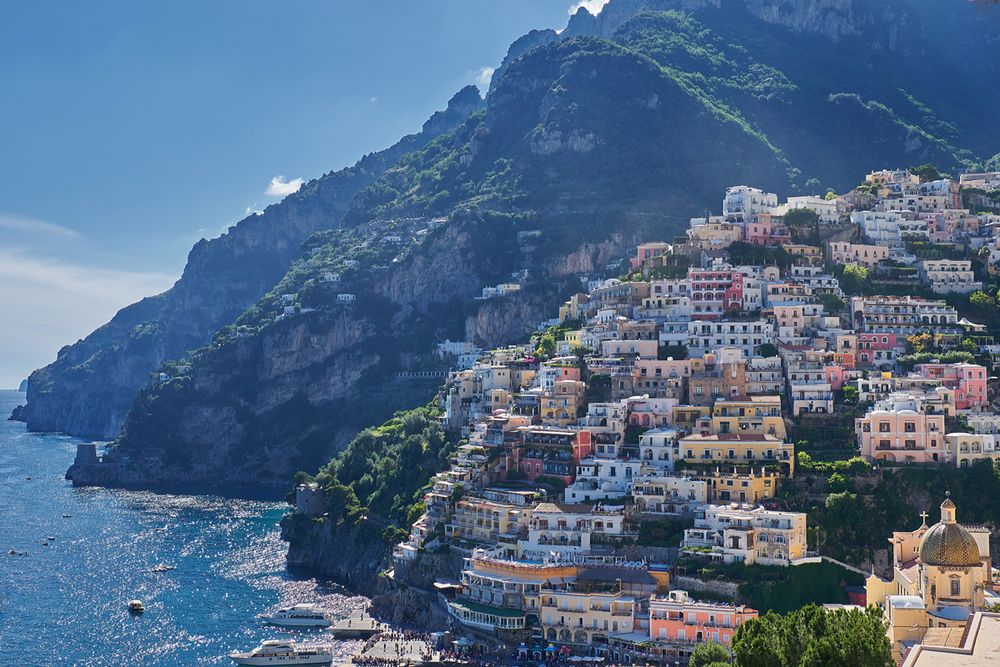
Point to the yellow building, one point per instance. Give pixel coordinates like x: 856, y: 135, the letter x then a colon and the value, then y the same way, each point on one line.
x: 714, y: 235
x: 729, y: 484
x: 570, y: 617
x: 486, y: 521
x: 964, y: 449
x: 939, y: 575
x: 685, y: 417
x: 738, y: 449
x: 805, y: 254
x: 756, y: 415
x: 559, y: 407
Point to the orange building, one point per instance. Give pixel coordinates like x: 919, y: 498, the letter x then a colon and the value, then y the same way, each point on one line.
x: 678, y: 618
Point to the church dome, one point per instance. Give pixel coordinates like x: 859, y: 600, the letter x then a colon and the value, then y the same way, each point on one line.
x: 947, y: 544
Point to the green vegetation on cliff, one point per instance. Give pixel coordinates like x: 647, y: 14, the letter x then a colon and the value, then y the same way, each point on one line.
x: 384, y: 470
x: 861, y: 510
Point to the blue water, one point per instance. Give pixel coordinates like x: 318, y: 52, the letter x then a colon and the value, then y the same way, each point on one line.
x: 64, y: 604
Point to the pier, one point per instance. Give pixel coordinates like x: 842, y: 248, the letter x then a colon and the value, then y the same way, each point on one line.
x: 358, y: 625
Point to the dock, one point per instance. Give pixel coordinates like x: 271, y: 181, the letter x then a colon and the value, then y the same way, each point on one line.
x: 358, y: 625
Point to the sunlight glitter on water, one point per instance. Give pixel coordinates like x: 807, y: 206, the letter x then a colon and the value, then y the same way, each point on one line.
x: 69, y: 597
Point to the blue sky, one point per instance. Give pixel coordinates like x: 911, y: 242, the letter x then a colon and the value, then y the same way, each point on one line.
x: 129, y: 130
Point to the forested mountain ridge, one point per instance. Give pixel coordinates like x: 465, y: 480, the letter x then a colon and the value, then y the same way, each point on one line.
x: 585, y: 145
x: 89, y: 388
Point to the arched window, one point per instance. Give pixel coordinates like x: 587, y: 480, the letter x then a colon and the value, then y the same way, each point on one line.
x: 956, y: 587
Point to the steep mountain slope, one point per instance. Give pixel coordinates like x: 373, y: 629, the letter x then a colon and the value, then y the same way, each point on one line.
x: 88, y: 389
x: 282, y: 393
x: 585, y: 146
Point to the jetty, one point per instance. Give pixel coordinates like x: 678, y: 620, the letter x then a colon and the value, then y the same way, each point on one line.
x: 359, y: 625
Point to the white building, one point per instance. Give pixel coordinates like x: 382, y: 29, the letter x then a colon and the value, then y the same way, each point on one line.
x: 747, y: 335
x: 947, y: 276
x: 568, y: 529
x: 829, y: 210
x: 738, y: 534
x: 602, y: 479
x: 669, y: 494
x: 764, y: 376
x: 742, y: 202
x: 658, y: 448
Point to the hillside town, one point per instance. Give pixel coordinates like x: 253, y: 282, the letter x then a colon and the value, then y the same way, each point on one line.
x: 670, y: 396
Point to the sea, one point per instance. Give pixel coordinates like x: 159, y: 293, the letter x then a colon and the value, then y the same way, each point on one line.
x: 88, y: 551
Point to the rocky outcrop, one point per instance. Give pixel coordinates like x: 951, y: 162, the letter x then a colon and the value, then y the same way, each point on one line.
x: 356, y: 556
x: 90, y: 387
x: 510, y: 318
x: 352, y: 555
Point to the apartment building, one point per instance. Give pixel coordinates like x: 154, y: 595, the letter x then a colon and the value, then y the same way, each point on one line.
x: 742, y: 202
x: 764, y: 375
x: 677, y: 617
x: 844, y: 252
x: 572, y: 617
x: 741, y: 534
x: 569, y: 528
x: 968, y: 380
x: 748, y: 335
x: 756, y: 415
x: 717, y: 375
x: 964, y: 449
x: 668, y: 495
x: 902, y: 315
x: 737, y: 449
x: 895, y: 432
x: 948, y: 276
x: 480, y: 520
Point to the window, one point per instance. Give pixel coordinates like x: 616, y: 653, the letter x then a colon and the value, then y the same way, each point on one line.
x: 883, y: 427
x: 956, y: 587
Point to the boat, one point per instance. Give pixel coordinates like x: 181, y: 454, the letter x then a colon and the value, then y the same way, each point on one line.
x: 302, y: 615
x: 67, y: 516
x: 135, y: 607
x: 162, y: 567
x: 281, y: 652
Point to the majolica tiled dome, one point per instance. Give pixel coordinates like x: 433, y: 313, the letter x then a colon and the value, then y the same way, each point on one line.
x: 947, y: 544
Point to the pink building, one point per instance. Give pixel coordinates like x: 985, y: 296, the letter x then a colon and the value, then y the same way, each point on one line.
x: 875, y: 349
x: 678, y: 618
x: 653, y: 412
x: 834, y: 376
x: 549, y: 452
x: 715, y: 291
x: 649, y: 251
x: 764, y: 230
x: 968, y: 381
x: 895, y: 432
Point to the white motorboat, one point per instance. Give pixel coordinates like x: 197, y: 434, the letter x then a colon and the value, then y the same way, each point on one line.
x: 280, y: 652
x: 303, y: 615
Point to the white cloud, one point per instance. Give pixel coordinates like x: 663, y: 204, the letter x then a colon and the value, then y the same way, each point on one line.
x: 48, y: 303
x: 279, y: 187
x: 483, y: 77
x: 373, y: 100
x: 22, y: 224
x: 592, y: 6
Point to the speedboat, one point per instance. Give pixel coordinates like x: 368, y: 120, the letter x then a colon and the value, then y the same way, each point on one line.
x: 163, y: 568
x: 135, y: 607
x: 303, y: 615
x: 280, y: 652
